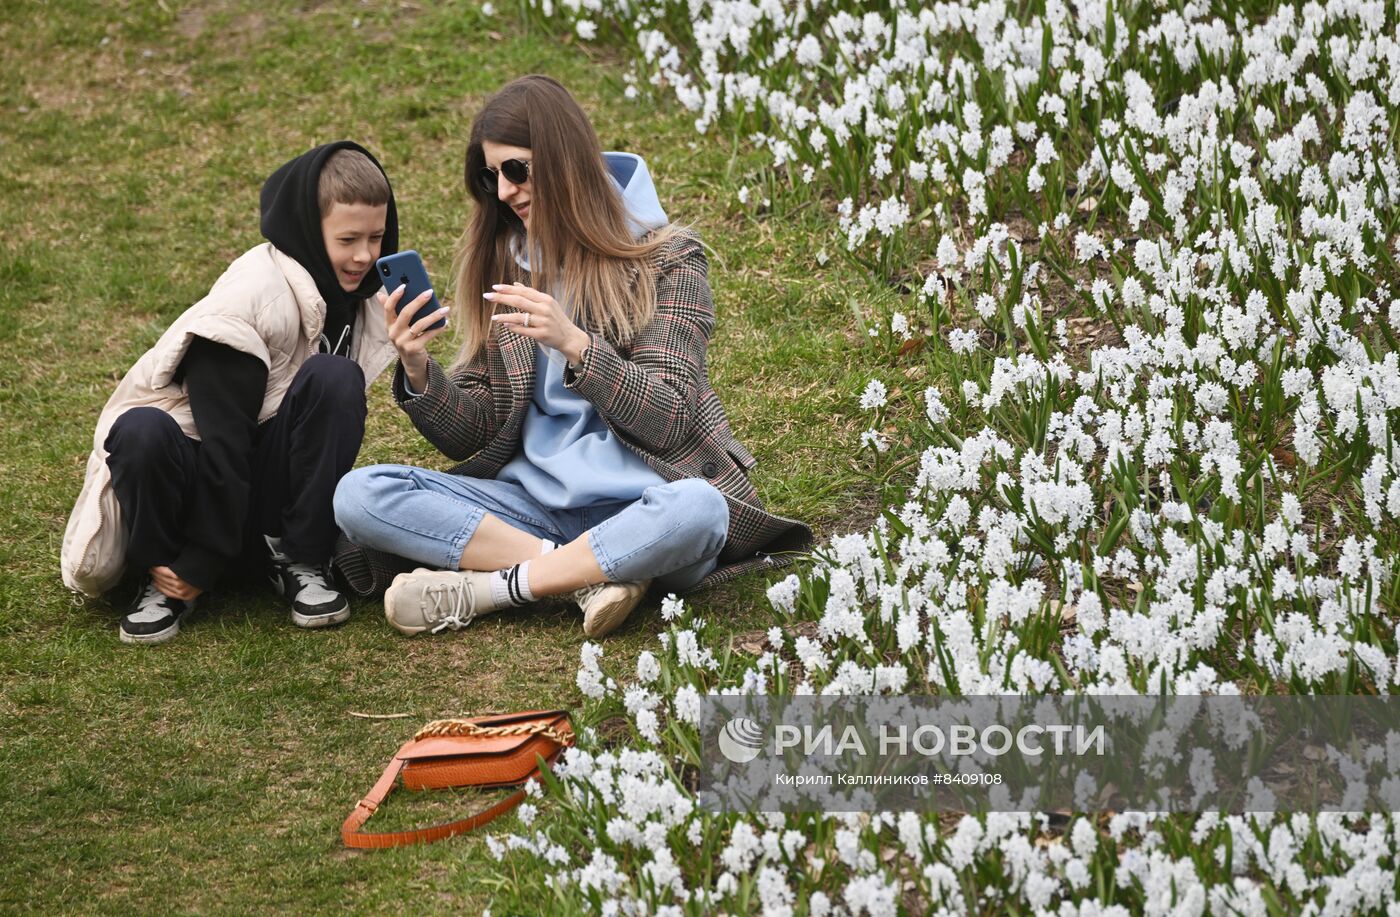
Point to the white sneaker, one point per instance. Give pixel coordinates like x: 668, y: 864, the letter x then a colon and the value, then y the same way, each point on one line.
x: 606, y: 605
x: 437, y: 600
x: 315, y: 602
x: 154, y: 616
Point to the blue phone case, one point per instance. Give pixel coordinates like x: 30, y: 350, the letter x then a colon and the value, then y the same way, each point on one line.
x: 407, y: 268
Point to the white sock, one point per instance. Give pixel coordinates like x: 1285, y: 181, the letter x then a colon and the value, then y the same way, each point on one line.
x: 511, y: 586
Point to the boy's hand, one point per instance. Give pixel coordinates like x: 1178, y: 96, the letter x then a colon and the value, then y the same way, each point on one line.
x: 411, y: 338
x: 170, y: 584
x: 547, y: 322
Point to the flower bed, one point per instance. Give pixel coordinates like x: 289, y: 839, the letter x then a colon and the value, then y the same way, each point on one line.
x: 1146, y: 370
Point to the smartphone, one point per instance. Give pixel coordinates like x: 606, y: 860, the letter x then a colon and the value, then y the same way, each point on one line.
x: 407, y: 268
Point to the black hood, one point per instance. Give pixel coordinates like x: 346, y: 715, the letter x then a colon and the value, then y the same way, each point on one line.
x: 291, y: 220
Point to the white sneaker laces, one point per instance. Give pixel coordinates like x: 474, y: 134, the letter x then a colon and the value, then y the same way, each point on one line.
x: 584, y: 593
x: 152, y: 599
x: 307, y: 575
x: 153, y: 606
x: 451, y: 605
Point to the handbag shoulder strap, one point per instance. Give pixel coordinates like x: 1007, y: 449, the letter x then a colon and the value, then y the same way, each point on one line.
x: 351, y: 834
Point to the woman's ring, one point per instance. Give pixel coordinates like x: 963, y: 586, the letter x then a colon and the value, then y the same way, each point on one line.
x: 417, y: 334
x: 527, y: 319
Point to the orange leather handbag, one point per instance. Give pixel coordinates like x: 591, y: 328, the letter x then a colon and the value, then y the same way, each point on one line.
x: 486, y: 751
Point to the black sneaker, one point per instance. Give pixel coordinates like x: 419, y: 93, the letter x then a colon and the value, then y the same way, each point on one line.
x: 315, y: 601
x: 154, y: 616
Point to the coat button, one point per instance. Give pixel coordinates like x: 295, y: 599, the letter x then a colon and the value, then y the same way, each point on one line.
x: 709, y: 469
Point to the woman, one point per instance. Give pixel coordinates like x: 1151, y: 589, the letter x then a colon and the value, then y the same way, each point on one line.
x: 595, y: 457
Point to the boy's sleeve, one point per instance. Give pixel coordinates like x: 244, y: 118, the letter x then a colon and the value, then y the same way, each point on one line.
x: 226, y: 389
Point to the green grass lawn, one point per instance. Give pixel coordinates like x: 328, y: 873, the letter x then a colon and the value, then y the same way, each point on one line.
x: 212, y: 773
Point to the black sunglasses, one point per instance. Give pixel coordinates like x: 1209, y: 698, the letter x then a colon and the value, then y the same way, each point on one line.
x: 517, y: 170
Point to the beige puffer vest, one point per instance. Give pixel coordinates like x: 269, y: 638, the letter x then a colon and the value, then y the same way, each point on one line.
x: 266, y: 305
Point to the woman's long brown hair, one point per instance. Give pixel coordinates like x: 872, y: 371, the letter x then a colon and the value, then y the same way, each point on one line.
x: 581, y: 249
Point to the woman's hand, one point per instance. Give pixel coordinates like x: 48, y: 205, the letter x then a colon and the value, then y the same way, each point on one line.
x: 411, y: 338
x: 540, y: 317
x: 170, y: 584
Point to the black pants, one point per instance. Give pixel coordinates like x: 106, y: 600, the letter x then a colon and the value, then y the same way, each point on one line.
x: 298, y: 457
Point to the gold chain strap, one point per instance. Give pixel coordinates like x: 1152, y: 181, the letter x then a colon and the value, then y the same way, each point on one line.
x: 438, y: 728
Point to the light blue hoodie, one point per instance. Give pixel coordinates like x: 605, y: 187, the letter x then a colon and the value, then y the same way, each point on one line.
x: 568, y: 457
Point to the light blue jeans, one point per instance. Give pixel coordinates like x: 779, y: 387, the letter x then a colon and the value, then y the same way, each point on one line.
x: 674, y: 533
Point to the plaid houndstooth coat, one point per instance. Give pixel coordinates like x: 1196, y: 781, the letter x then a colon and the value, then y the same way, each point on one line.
x: 654, y: 394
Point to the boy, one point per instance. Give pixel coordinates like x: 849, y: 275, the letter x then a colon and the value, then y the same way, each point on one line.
x: 242, y: 418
